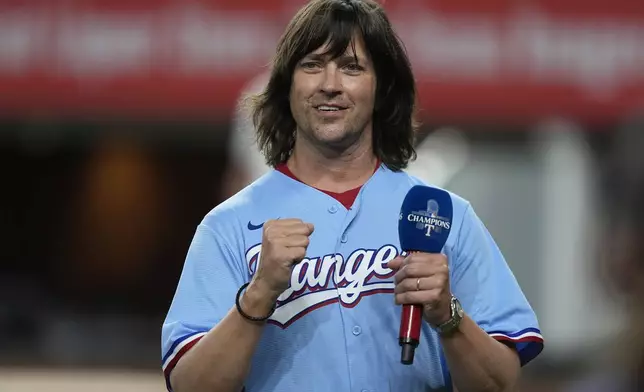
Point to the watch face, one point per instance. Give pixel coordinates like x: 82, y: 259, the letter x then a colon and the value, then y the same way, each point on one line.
x: 457, y: 307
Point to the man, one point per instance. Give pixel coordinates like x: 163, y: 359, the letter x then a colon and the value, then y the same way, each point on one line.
x: 293, y: 283
x: 621, y: 365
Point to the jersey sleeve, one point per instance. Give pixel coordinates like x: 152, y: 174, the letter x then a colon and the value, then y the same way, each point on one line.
x: 489, y: 292
x: 211, y: 275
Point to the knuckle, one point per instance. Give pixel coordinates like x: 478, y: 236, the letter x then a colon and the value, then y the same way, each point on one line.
x: 400, y: 298
x: 419, y: 257
x: 411, y: 270
x: 268, y: 230
x: 408, y: 297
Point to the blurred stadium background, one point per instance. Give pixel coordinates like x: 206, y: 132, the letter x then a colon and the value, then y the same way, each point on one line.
x: 117, y: 134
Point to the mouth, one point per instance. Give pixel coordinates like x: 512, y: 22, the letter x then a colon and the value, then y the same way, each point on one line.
x: 329, y: 108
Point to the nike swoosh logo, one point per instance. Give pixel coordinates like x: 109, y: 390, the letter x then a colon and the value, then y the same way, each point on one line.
x: 254, y: 227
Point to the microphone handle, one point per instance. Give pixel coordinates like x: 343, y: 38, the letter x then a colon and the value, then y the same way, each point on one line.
x: 409, y: 336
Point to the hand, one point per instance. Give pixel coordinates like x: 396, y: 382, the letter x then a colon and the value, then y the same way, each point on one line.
x: 423, y: 279
x: 284, y: 244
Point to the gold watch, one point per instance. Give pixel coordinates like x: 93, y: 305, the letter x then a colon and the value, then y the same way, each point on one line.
x: 453, y: 323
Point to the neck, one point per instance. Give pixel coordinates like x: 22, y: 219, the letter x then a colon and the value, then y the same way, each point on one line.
x: 332, y: 170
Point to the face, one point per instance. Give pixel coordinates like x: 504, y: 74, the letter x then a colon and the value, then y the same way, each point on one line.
x: 332, y: 100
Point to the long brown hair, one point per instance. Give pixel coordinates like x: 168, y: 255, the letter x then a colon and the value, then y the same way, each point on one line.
x: 336, y: 21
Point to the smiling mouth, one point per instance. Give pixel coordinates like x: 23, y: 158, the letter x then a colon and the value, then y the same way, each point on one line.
x: 329, y: 108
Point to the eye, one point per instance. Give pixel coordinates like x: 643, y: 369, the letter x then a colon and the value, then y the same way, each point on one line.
x: 310, y: 65
x: 353, y: 67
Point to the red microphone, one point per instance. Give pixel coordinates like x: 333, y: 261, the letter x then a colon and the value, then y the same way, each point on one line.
x: 423, y: 226
x: 409, y: 334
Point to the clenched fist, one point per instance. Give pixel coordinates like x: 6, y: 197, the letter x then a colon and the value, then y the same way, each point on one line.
x: 423, y: 279
x: 284, y: 243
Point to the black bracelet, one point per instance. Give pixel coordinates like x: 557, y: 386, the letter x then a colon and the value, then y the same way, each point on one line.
x: 246, y: 316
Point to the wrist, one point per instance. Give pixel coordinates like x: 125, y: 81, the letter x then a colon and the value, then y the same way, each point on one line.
x: 257, y: 301
x: 441, y: 319
x: 453, y: 321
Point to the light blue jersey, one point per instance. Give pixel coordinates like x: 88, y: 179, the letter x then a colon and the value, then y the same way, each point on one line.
x: 336, y: 327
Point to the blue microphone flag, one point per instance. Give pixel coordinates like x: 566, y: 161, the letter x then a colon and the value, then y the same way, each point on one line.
x: 425, y: 219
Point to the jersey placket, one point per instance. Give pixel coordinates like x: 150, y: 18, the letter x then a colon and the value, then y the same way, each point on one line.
x: 351, y: 328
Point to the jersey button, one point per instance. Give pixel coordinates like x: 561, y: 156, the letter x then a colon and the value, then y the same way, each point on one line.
x: 333, y: 209
x: 356, y: 330
x: 344, y: 238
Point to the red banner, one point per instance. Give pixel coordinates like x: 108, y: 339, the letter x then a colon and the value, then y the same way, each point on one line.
x: 474, y: 60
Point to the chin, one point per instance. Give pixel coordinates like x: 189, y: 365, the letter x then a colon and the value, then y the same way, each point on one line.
x: 337, y: 139
x: 330, y: 134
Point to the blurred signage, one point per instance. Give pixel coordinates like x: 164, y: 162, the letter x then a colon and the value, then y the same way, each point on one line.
x: 474, y: 60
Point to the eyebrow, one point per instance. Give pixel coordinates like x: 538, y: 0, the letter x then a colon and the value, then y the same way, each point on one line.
x: 342, y: 58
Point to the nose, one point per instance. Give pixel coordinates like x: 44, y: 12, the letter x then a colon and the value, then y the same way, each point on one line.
x: 330, y: 83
